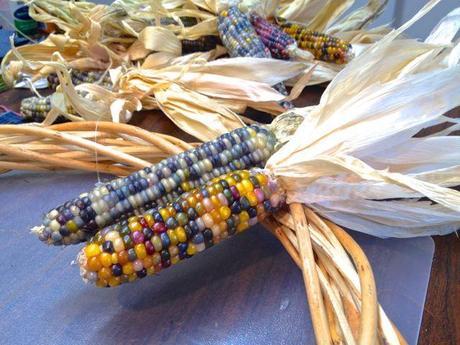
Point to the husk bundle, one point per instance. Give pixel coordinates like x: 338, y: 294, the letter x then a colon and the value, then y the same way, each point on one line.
x: 355, y: 158
x: 131, y: 30
x: 199, y: 94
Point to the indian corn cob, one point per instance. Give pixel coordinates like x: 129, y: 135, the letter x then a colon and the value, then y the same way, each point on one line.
x: 202, y: 44
x: 187, y: 21
x: 323, y: 46
x: 79, y: 219
x: 276, y: 40
x: 144, y: 245
x: 240, y: 39
x: 80, y: 77
x: 34, y: 109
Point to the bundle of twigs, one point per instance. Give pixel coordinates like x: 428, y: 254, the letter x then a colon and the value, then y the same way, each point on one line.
x: 338, y: 279
x: 106, y: 147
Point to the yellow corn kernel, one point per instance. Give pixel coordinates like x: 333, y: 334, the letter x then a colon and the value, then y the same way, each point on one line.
x: 192, y: 201
x: 225, y: 212
x: 240, y: 188
x: 172, y: 237
x: 215, y: 215
x: 244, y: 216
x: 147, y: 262
x: 180, y: 233
x: 149, y: 219
x: 171, y: 210
x: 263, y: 180
x: 191, y: 249
x: 252, y: 199
x: 164, y: 213
x: 114, y: 281
x: 93, y: 264
x: 230, y: 180
x: 244, y: 174
x: 105, y: 259
x: 114, y: 258
x: 105, y: 273
x: 128, y: 268
x: 92, y: 250
x: 248, y: 187
x: 133, y: 219
x: 140, y: 251
x: 215, y: 201
x: 175, y: 259
x: 242, y: 226
x: 135, y: 226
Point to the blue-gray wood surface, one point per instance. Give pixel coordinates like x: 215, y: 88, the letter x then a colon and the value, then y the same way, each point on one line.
x: 243, y: 291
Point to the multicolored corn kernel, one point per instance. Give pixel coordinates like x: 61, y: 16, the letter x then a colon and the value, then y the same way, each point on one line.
x: 276, y: 40
x: 241, y: 40
x: 202, y: 44
x: 78, y: 220
x: 140, y: 246
x: 80, y: 77
x: 323, y: 46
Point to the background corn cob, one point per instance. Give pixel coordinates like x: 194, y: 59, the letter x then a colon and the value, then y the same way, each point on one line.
x: 144, y: 245
x: 80, y: 77
x: 275, y: 39
x: 240, y: 39
x: 35, y: 109
x: 323, y: 46
x: 187, y: 21
x: 202, y: 44
x: 77, y: 220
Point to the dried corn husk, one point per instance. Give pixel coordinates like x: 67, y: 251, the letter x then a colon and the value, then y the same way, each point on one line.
x: 366, y: 170
x: 130, y: 30
x: 198, y: 95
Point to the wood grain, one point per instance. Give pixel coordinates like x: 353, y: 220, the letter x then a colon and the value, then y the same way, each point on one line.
x: 441, y: 320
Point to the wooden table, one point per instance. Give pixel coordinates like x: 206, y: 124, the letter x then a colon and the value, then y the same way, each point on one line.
x: 441, y: 320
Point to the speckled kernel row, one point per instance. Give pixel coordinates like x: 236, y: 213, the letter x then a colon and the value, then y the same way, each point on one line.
x: 201, y: 44
x: 323, y: 46
x: 78, y: 220
x: 144, y: 245
x: 35, y: 108
x: 80, y: 77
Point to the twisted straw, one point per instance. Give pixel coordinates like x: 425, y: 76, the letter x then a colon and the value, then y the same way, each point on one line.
x: 113, y: 148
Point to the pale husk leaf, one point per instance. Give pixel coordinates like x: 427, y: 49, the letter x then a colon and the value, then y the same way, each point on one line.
x: 359, y: 18
x: 196, y: 114
x: 341, y: 162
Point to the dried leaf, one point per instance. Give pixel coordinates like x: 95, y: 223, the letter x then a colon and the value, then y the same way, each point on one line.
x: 355, y: 160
